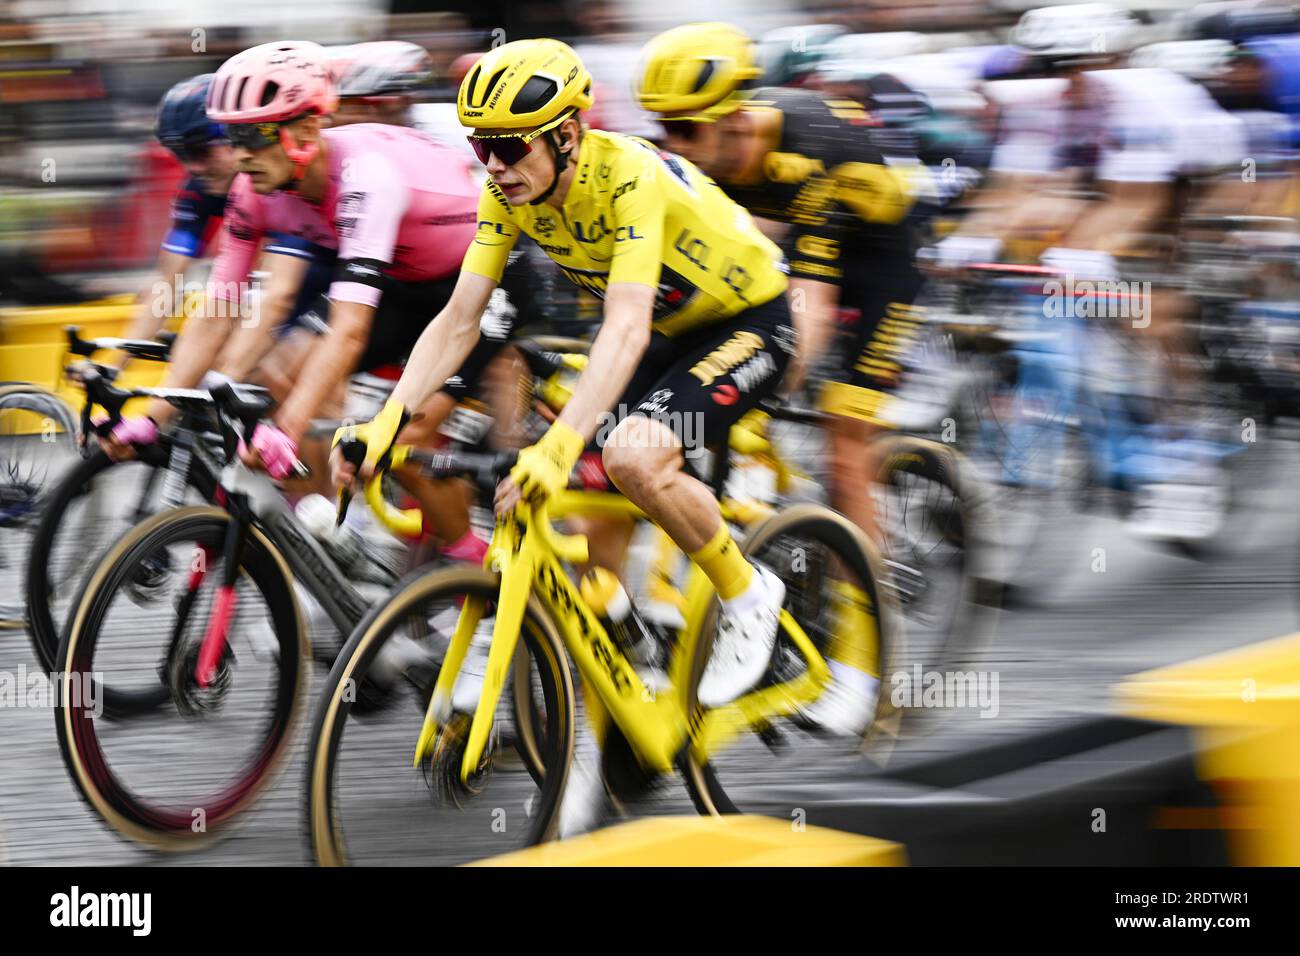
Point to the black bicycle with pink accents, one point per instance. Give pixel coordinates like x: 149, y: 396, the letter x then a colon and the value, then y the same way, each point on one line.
x: 185, y: 655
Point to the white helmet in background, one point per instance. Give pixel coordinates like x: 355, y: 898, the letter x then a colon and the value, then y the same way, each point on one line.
x: 1195, y: 59
x: 1083, y: 30
x: 853, y: 55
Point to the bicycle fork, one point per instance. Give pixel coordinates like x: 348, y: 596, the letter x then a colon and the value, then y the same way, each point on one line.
x: 216, y: 640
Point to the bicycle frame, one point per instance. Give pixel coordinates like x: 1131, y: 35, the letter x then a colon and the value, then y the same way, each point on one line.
x: 306, y: 556
x: 528, y: 553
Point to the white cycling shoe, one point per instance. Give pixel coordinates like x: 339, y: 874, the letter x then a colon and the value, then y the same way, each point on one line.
x: 742, y: 650
x: 848, y: 705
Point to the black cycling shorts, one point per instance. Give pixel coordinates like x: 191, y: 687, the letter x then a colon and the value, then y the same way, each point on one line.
x: 878, y: 325
x: 404, y: 309
x: 702, y: 383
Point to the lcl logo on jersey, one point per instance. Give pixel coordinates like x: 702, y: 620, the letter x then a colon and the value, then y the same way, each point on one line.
x: 598, y: 230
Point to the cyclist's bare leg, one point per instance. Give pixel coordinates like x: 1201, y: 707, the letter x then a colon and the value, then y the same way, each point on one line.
x: 279, y: 365
x: 608, y: 538
x: 1168, y: 330
x: 645, y: 460
x: 445, y: 503
x: 507, y: 385
x: 854, y: 464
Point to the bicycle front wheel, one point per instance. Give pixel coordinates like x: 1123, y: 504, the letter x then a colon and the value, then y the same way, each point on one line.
x: 175, y: 778
x: 832, y: 578
x: 366, y: 804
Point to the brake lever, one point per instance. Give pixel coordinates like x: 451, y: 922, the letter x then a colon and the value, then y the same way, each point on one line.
x: 100, y: 392
x: 354, y: 452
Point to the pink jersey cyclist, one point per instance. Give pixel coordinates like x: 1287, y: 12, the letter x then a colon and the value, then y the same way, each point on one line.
x: 397, y: 206
x: 397, y: 209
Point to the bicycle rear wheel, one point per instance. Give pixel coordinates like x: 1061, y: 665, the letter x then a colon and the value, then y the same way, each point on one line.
x: 833, y: 593
x: 934, y: 517
x: 365, y: 802
x: 37, y: 442
x: 92, y: 506
x: 176, y: 777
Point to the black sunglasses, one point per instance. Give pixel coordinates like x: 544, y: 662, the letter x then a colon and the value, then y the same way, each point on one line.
x: 511, y: 149
x: 253, y: 136
x: 195, y: 152
x: 508, y: 149
x: 680, y: 128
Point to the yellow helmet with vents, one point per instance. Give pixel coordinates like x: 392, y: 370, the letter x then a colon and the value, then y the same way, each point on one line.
x: 701, y: 71
x: 523, y: 85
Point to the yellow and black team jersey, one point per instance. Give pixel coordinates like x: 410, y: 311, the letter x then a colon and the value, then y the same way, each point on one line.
x: 826, y: 176
x: 635, y: 213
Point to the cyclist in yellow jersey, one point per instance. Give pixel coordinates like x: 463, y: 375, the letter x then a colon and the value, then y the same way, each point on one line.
x: 695, y: 329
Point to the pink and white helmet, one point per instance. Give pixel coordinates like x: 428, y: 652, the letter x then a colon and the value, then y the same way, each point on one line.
x: 271, y: 83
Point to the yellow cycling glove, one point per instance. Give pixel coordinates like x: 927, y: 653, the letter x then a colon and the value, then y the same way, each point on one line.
x: 543, y: 469
x: 379, y: 433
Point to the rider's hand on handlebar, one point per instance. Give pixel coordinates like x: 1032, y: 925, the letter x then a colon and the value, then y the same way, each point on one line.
x: 270, y: 450
x: 954, y: 253
x: 542, y: 469
x: 120, y: 444
x: 378, y: 435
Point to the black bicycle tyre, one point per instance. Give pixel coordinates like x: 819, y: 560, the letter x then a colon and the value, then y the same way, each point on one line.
x: 42, y: 629
x: 115, y: 804
x: 323, y: 833
x: 853, y: 547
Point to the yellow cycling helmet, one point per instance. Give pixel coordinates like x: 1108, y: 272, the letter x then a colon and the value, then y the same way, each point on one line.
x: 522, y: 85
x: 700, y: 71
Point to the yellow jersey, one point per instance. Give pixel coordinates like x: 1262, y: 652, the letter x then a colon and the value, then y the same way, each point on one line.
x: 635, y: 213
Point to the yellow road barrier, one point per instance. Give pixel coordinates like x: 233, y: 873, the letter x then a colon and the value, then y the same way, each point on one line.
x: 33, y: 348
x: 710, y: 841
x: 1245, y: 707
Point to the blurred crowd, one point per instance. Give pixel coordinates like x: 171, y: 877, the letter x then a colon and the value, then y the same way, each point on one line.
x: 85, y: 189
x: 1188, y: 118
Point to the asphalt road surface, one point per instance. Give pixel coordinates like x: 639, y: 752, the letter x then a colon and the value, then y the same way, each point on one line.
x: 1053, y: 659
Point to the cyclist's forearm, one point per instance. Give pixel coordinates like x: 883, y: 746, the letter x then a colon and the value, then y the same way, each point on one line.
x: 252, y: 340
x: 155, y: 302
x: 332, y: 360
x: 441, y: 349
x: 615, y: 354
x: 286, y: 276
x: 198, y: 344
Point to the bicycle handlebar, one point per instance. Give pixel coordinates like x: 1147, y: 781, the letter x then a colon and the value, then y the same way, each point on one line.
x: 154, y: 351
x: 485, y: 470
x: 240, y: 407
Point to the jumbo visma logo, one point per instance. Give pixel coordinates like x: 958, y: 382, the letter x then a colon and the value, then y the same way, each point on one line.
x: 596, y: 231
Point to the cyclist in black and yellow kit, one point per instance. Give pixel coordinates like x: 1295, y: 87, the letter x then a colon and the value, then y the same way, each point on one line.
x: 695, y: 328
x: 818, y: 169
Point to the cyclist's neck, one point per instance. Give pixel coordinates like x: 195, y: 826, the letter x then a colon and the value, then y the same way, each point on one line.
x: 556, y: 199
x: 312, y: 185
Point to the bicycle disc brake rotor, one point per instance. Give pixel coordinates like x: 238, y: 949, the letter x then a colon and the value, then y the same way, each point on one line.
x: 442, y: 768
x: 190, y: 699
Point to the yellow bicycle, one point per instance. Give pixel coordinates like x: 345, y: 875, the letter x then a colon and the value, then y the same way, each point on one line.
x: 484, y: 793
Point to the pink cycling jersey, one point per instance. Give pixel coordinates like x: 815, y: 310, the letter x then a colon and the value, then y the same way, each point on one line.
x: 395, y: 203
